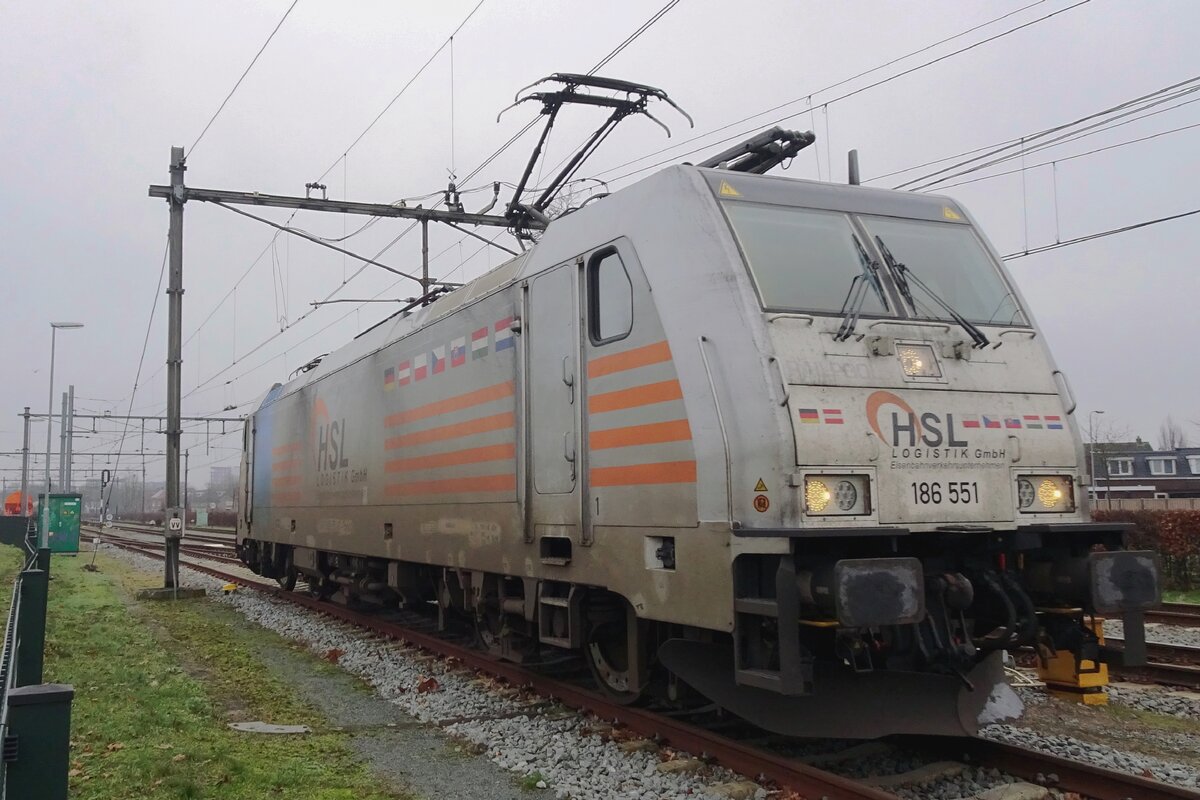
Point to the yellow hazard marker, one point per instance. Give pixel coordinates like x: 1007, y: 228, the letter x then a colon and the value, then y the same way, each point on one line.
x: 229, y: 588
x: 728, y: 191
x: 950, y: 213
x: 760, y: 486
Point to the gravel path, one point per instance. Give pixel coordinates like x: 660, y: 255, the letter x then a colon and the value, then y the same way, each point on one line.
x: 561, y: 751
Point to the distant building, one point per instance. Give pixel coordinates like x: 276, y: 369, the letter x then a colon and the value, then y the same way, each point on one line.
x: 1136, y: 470
x: 221, y: 476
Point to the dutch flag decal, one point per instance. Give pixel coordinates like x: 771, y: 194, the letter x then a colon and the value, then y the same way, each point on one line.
x: 504, y: 335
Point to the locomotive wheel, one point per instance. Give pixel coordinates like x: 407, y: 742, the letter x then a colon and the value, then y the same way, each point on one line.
x: 322, y: 589
x: 607, y: 654
x: 489, y: 627
x: 287, y: 581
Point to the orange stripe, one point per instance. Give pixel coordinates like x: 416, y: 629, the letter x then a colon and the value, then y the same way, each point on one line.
x: 471, y: 455
x: 637, y: 396
x: 481, y: 483
x: 677, y: 430
x: 455, y: 403
x: 282, y: 466
x: 629, y: 359
x: 457, y: 430
x: 291, y: 498
x: 284, y: 449
x: 286, y: 480
x: 639, y: 474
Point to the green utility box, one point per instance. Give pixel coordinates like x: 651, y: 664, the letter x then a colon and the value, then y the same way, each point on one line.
x: 58, y: 521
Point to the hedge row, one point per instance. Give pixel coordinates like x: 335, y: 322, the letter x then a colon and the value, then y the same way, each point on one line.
x: 1175, y: 535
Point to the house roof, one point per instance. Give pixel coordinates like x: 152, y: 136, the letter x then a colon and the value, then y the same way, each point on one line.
x: 1140, y: 454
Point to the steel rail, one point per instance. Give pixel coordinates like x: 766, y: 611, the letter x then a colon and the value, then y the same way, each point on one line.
x: 1073, y: 776
x: 1175, y: 614
x: 1086, y: 779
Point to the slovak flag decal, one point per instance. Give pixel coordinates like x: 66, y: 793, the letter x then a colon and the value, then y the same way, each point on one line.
x: 458, y: 352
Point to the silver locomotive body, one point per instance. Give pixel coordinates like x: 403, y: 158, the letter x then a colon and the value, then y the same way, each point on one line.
x: 711, y: 430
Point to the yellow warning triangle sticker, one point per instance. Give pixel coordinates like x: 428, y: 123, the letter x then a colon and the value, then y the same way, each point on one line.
x: 760, y: 486
x: 728, y: 191
x: 950, y: 213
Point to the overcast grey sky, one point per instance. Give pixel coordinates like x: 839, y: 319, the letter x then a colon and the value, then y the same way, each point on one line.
x: 93, y: 95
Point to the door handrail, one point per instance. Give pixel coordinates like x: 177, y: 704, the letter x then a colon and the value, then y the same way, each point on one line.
x: 712, y: 385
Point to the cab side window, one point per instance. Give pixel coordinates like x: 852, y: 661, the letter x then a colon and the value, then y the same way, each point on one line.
x: 610, y: 298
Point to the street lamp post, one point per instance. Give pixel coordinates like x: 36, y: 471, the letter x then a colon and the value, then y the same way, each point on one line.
x: 1092, y: 449
x: 54, y: 326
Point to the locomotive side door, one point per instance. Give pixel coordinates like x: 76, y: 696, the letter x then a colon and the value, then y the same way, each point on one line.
x: 553, y: 402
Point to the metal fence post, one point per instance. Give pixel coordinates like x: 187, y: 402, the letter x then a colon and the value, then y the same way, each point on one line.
x: 43, y: 560
x: 37, y: 744
x: 31, y: 627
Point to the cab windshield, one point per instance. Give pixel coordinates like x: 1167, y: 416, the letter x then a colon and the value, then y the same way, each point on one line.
x: 951, y: 261
x: 805, y: 259
x: 801, y: 259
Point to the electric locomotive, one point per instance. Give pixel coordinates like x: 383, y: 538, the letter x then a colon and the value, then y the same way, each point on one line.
x: 795, y: 447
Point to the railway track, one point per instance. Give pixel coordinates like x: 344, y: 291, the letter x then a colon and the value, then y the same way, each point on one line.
x: 205, y: 534
x: 152, y: 545
x: 744, y: 757
x: 1170, y: 665
x: 1186, y: 614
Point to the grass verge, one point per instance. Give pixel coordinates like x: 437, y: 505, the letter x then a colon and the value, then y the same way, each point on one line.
x: 156, y: 684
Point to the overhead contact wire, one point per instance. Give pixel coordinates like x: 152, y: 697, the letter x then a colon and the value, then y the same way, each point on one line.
x: 245, y: 72
x: 839, y: 98
x: 162, y: 270
x: 808, y: 96
x: 1100, y: 235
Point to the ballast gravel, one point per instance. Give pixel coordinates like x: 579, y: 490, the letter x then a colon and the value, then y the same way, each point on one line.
x: 1156, y: 700
x: 1100, y: 755
x: 1157, y: 632
x: 537, y: 741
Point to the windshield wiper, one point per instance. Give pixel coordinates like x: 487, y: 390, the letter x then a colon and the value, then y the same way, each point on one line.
x: 857, y: 294
x: 903, y: 275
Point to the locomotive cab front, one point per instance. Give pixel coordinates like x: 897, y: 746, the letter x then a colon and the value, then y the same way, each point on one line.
x: 934, y: 514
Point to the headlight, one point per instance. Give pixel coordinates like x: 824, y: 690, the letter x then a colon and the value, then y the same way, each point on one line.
x: 836, y: 495
x: 1045, y: 494
x: 918, y: 361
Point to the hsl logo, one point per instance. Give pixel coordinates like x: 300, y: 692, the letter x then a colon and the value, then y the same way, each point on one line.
x: 330, y: 438
x: 929, y: 429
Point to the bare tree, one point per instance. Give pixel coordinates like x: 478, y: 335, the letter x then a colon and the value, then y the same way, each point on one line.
x: 1171, y: 435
